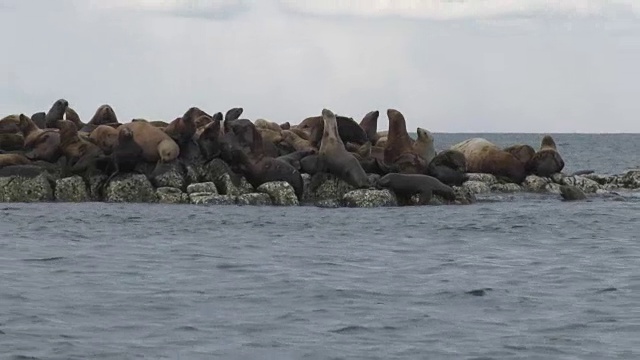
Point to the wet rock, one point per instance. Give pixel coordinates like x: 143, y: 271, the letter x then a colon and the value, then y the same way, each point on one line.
x: 228, y: 186
x: 506, y: 188
x: 535, y: 183
x: 134, y: 188
x: 281, y: 193
x: 71, y: 189
x: 477, y: 187
x: 206, y: 187
x: 169, y: 195
x: 23, y: 189
x: 558, y: 178
x: 255, y: 199
x: 571, y: 193
x: 365, y: 198
x: 464, y: 196
x: 324, y: 186
x: 211, y: 199
x: 192, y: 173
x: 96, y: 187
x: 585, y: 184
x: 169, y: 175
x: 488, y: 179
x: 630, y: 180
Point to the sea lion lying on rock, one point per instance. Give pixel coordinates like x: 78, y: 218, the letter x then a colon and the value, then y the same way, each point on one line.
x: 404, y: 186
x: 547, y: 161
x: 482, y: 156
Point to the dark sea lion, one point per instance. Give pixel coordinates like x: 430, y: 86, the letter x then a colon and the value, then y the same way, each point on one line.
x: 218, y: 116
x: 231, y: 115
x: 56, y: 112
x: 244, y: 130
x: 571, y: 193
x: 104, y: 115
x: 522, y: 152
x: 40, y: 119
x: 13, y: 159
x: 81, y: 155
x: 483, y: 156
x: 209, y: 140
x: 348, y: 130
x: 423, y: 146
x: 547, y: 161
x: 105, y: 136
x: 126, y: 154
x: 184, y: 128
x: 11, y: 142
x: 294, y: 158
x: 404, y: 186
x: 156, y: 145
x: 369, y: 124
x: 449, y: 167
x: 26, y: 171
x: 335, y: 159
x: 285, y: 126
x: 399, y: 152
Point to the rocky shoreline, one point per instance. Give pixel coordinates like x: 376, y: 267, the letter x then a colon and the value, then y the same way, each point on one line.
x: 213, y: 184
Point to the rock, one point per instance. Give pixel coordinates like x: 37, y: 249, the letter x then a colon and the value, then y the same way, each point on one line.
x: 227, y: 186
x: 211, y: 199
x: 477, y: 187
x: 464, y: 196
x: 213, y: 170
x: 22, y: 189
x: 558, y: 178
x: 585, y: 184
x: 328, y: 203
x: 609, y: 187
x: 135, y: 188
x: 281, y: 193
x: 96, y: 187
x: 551, y: 188
x: 571, y: 193
x: 488, y: 179
x: 506, y: 188
x: 71, y: 189
x: 192, y: 173
x: 169, y: 195
x: 535, y: 183
x: 256, y: 199
x: 630, y: 180
x: 601, y: 179
x: 365, y: 198
x: 324, y: 186
x: 169, y: 175
x: 206, y: 187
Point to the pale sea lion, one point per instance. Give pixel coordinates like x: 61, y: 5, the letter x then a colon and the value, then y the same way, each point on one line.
x: 547, y: 161
x: 423, y: 146
x: 404, y: 186
x: 156, y: 145
x: 106, y: 137
x: 483, y: 156
x: 265, y: 124
x: 295, y: 141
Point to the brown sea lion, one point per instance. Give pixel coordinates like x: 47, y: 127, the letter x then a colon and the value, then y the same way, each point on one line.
x: 104, y: 115
x: 449, y: 167
x: 182, y: 129
x: 271, y: 136
x: 301, y: 133
x: 399, y: 151
x: 294, y: 158
x: 424, y: 146
x: 404, y: 186
x: 482, y: 156
x: 11, y: 142
x: 348, y: 130
x: 295, y: 141
x: 265, y: 124
x: 56, y: 112
x: 10, y: 124
x: 156, y: 145
x: 369, y: 124
x: 202, y: 121
x: 209, y: 140
x: 13, y: 159
x: 106, y: 137
x: 30, y: 131
x: 80, y: 154
x: 71, y: 115
x: 522, y: 152
x: 546, y: 161
x: 285, y: 126
x: 335, y: 159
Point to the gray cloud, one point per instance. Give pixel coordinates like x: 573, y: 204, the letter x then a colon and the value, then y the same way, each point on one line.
x: 466, y: 66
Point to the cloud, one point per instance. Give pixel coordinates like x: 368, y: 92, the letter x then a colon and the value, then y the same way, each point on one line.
x: 534, y: 66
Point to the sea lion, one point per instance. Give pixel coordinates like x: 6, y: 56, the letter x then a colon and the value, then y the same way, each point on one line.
x: 71, y: 115
x: 106, y: 137
x: 156, y: 145
x: 423, y: 146
x: 404, y: 186
x: 209, y: 140
x: 294, y: 158
x: 10, y: 124
x: 40, y: 144
x: 301, y: 133
x: 231, y: 115
x: 335, y: 159
x: 243, y: 137
x: 369, y: 124
x: 265, y: 124
x: 56, y: 112
x: 270, y: 135
x: 285, y: 126
x: 398, y: 151
x: 13, y: 159
x: 522, y: 152
x: 382, y: 141
x: 40, y: 119
x: 126, y: 154
x: 547, y: 161
x: 449, y: 167
x: 182, y: 129
x: 104, y: 115
x: 571, y: 193
x: 348, y: 130
x: 483, y: 156
x: 11, y: 142
x: 202, y: 121
x: 295, y: 141
x: 80, y: 154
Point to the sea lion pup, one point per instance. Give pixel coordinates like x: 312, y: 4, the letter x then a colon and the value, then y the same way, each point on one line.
x: 258, y: 168
x: 404, y: 186
x: 56, y: 112
x: 209, y: 140
x: 348, y: 130
x: 369, y: 124
x: 398, y: 151
x: 127, y: 153
x: 13, y: 159
x: 104, y: 115
x: 547, y: 161
x: 80, y: 154
x: 449, y: 167
x: 483, y: 156
x: 156, y: 145
x: 231, y: 115
x: 423, y: 145
x: 522, y: 152
x: 335, y: 159
x: 294, y: 158
x: 106, y: 137
x: 295, y: 141
x: 265, y: 124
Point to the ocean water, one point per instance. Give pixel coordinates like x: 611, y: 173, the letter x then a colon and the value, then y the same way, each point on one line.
x: 520, y: 277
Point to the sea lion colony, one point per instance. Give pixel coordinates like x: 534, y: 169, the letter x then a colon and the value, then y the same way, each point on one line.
x: 264, y: 151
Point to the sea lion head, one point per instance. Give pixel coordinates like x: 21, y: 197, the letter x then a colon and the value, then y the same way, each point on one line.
x: 168, y: 150
x: 104, y: 115
x: 203, y: 120
x: 285, y: 126
x: 424, y: 135
x: 397, y: 121
x: 548, y: 143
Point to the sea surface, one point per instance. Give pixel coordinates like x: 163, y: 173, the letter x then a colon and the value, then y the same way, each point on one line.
x: 520, y: 276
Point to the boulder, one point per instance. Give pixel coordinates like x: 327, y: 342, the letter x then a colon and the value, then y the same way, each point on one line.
x: 365, y: 198
x: 506, y: 188
x: 255, y: 199
x: 169, y: 175
x: 585, y: 184
x: 72, y: 189
x: 205, y: 187
x: 281, y: 193
x: 211, y: 199
x: 26, y: 189
x: 629, y: 180
x: 488, y: 179
x: 324, y: 186
x: 477, y: 187
x: 134, y: 188
x: 169, y: 195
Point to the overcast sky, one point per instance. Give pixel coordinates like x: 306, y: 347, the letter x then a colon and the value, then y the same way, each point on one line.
x: 449, y: 66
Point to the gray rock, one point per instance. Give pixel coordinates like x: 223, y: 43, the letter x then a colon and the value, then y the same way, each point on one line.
x: 551, y: 188
x: 325, y: 186
x: 227, y: 186
x: 169, y: 195
x: 488, y: 179
x: 328, y: 203
x: 169, y: 175
x: 256, y: 199
x: 477, y: 187
x: 281, y: 193
x: 213, y: 170
x: 601, y: 179
x: 365, y: 198
x: 506, y: 188
x: 571, y: 193
x: 71, y: 189
x: 585, y: 184
x: 464, y: 196
x: 206, y: 187
x: 135, y: 188
x: 211, y: 199
x: 96, y: 187
x: 192, y: 173
x: 630, y: 180
x: 21, y: 189
x: 558, y: 178
x: 535, y: 183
